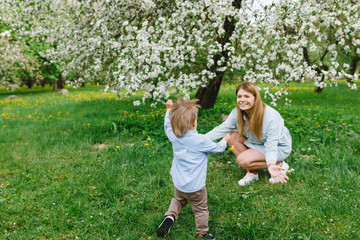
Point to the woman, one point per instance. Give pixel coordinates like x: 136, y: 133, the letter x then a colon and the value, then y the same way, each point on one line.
x: 262, y: 141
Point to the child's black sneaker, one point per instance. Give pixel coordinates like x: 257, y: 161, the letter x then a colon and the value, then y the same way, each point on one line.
x: 205, y: 236
x: 165, y: 226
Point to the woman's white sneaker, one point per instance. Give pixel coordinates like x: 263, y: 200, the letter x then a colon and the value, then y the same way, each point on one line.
x: 249, y: 177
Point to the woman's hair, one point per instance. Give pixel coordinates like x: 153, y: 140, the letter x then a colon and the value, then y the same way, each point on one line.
x: 183, y: 116
x: 256, y: 115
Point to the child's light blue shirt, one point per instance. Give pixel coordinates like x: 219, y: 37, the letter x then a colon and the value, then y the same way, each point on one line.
x: 275, y: 142
x: 189, y: 165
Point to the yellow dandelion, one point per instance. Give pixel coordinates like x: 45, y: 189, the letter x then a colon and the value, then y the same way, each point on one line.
x: 4, y: 126
x: 117, y: 146
x: 148, y: 139
x: 146, y: 144
x: 94, y: 188
x: 343, y: 124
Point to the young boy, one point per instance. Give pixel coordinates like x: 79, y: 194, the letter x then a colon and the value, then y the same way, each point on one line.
x: 189, y: 165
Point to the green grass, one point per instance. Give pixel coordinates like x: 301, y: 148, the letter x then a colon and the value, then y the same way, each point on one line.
x: 56, y: 184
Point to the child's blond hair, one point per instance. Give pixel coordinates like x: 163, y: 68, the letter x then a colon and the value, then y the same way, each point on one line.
x: 183, y: 116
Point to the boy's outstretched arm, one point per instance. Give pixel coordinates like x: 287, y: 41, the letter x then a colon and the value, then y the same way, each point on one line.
x: 167, y: 126
x: 169, y: 105
x: 209, y: 146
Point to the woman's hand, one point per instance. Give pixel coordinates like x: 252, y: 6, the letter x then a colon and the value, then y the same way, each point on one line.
x: 169, y: 105
x: 276, y: 173
x: 227, y: 138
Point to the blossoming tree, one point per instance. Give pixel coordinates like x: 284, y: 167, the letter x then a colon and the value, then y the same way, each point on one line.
x: 15, y: 64
x: 163, y: 47
x: 326, y: 36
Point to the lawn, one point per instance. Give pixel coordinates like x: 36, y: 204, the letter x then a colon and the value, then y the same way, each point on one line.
x: 88, y: 165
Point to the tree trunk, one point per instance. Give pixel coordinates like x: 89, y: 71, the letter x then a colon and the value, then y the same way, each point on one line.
x: 207, y: 95
x: 319, y: 89
x: 318, y: 70
x: 61, y: 82
x: 58, y: 84
x: 353, y: 66
x: 55, y: 86
x: 29, y: 82
x: 43, y: 82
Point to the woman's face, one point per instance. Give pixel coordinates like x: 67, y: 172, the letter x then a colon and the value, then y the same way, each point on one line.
x: 245, y: 100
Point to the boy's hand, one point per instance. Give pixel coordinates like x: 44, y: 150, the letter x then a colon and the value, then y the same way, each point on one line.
x: 169, y: 105
x: 227, y: 138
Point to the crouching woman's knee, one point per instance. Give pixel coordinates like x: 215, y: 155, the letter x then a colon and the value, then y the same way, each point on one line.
x: 242, y: 162
x: 234, y: 137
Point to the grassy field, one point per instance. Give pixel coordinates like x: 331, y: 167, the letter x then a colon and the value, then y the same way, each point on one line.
x: 89, y: 166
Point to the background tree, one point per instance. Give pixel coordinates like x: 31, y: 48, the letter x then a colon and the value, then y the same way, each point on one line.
x: 23, y: 46
x: 17, y: 67
x: 332, y: 36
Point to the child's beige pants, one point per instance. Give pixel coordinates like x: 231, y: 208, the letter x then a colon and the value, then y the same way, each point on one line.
x: 198, y: 202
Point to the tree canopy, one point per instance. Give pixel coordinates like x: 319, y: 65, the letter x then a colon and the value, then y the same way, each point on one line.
x: 164, y: 47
